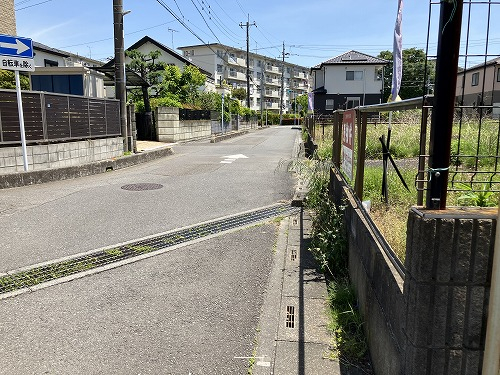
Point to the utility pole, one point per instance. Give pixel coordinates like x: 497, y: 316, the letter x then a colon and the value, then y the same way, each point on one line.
x: 247, y: 24
x: 172, y: 31
x: 120, y: 87
x: 283, y: 54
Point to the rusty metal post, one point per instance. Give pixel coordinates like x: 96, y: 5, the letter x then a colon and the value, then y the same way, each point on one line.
x: 362, y: 120
x: 450, y: 23
x: 337, y: 138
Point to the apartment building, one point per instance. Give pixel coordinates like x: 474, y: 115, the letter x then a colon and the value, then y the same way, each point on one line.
x: 228, y: 66
x: 7, y: 17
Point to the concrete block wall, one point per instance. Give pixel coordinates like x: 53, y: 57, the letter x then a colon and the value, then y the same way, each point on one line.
x: 432, y: 318
x: 379, y: 287
x: 170, y: 129
x: 58, y: 155
x: 448, y: 262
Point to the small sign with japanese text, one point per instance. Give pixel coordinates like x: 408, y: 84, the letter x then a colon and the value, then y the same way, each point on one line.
x: 348, y: 123
x: 16, y: 53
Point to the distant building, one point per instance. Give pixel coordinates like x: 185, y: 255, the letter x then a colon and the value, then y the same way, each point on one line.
x: 146, y: 45
x: 228, y: 67
x: 480, y: 85
x: 347, y: 81
x: 7, y: 17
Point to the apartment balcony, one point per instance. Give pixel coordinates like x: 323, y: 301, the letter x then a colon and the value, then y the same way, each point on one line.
x: 272, y: 94
x: 236, y: 61
x: 300, y: 75
x: 272, y: 105
x: 273, y: 69
x: 235, y: 75
x: 273, y: 81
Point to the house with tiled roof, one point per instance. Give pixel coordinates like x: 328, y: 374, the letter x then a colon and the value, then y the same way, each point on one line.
x: 347, y: 81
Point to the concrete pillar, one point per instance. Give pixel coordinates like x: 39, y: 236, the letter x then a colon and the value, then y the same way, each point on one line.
x: 448, y: 272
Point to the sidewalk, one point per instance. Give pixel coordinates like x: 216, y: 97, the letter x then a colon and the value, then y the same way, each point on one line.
x: 293, y: 336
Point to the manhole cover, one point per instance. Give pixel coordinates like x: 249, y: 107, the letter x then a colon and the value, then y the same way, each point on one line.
x: 142, y: 187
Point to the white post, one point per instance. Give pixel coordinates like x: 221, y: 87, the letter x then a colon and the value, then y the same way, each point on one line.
x: 21, y: 120
x: 491, y: 361
x: 222, y: 115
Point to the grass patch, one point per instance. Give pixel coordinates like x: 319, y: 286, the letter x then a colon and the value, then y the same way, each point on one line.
x: 346, y: 323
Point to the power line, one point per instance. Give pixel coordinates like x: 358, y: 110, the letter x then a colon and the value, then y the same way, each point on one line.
x: 33, y: 5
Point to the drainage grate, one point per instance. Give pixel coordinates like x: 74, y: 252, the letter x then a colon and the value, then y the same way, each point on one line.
x: 290, y: 317
x: 142, y: 187
x: 38, y: 274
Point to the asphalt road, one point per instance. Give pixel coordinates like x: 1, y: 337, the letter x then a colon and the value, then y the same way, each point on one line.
x: 192, y: 310
x: 49, y: 221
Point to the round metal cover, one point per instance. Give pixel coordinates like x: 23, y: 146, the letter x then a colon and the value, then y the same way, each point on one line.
x: 142, y: 187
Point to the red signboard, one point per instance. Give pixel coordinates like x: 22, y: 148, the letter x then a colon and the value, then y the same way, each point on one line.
x: 348, y: 123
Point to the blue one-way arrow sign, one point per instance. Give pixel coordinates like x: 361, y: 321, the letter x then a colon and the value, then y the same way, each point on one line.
x: 16, y: 46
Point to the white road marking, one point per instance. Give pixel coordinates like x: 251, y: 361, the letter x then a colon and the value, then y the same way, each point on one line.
x: 231, y: 158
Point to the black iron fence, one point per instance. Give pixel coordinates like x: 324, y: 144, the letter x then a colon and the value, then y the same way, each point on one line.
x: 54, y: 117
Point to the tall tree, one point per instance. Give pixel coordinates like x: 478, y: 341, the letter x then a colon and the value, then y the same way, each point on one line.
x: 412, y: 83
x: 149, y: 68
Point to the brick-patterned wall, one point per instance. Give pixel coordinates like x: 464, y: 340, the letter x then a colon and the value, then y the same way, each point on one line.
x: 7, y: 17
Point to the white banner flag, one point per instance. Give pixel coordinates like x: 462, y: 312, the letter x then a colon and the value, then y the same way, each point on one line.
x: 397, y: 66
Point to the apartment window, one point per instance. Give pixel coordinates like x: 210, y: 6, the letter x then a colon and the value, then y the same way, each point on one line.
x: 352, y: 102
x: 219, y: 54
x: 251, y: 62
x: 475, y: 79
x: 354, y: 75
x: 259, y: 63
x: 498, y: 75
x: 259, y: 75
x: 288, y: 69
x: 329, y: 104
x: 219, y: 68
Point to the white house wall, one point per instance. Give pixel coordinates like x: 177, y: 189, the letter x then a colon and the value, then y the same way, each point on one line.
x: 335, y: 80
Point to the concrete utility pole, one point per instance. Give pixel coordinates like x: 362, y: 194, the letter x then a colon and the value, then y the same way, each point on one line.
x: 120, y: 86
x: 247, y: 24
x: 283, y: 54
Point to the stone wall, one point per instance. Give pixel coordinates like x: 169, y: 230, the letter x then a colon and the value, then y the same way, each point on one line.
x: 59, y: 155
x: 170, y: 129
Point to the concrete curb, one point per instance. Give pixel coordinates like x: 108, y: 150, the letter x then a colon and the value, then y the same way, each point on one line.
x: 66, y: 173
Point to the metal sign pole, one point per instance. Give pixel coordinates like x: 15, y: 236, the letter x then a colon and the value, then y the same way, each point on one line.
x: 21, y: 120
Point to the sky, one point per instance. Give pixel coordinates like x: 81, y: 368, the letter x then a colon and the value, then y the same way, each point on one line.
x: 312, y: 30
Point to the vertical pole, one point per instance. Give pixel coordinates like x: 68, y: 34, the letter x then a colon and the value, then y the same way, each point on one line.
x: 120, y: 88
x: 362, y: 119
x: 21, y: 120
x: 450, y: 23
x: 222, y: 115
x: 282, y: 83
x: 248, y: 61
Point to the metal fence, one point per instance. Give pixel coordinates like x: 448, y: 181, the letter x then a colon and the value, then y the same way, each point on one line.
x: 52, y: 117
